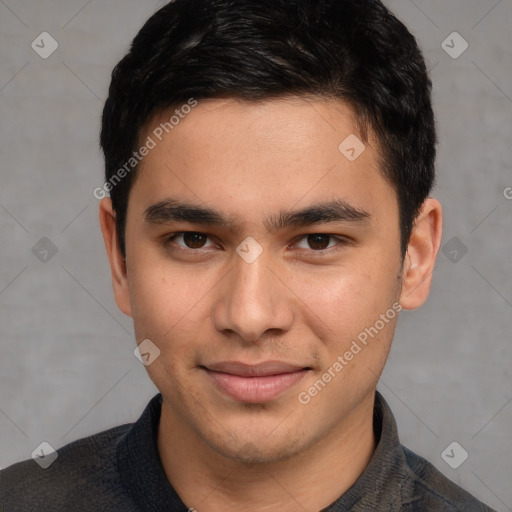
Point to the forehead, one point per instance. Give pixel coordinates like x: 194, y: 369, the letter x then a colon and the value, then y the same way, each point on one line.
x: 261, y: 156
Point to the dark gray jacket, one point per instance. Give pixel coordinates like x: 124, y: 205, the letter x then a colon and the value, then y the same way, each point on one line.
x: 119, y: 470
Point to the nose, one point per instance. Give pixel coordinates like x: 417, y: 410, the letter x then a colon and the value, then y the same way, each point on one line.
x: 253, y: 302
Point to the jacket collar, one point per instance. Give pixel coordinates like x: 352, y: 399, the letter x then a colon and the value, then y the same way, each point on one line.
x: 378, y: 487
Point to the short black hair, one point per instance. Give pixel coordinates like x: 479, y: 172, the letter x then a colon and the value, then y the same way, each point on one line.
x: 356, y: 51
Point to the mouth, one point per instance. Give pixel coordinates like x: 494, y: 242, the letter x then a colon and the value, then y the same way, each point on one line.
x: 257, y: 383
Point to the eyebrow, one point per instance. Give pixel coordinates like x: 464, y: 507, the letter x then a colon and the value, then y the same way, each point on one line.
x: 337, y: 210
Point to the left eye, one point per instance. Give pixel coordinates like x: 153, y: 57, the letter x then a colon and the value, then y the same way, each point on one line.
x: 190, y: 239
x: 318, y: 242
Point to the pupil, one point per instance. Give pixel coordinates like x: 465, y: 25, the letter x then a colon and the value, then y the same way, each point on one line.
x: 194, y: 240
x: 318, y: 241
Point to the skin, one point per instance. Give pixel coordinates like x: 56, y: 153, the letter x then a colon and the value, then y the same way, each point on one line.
x: 297, y: 302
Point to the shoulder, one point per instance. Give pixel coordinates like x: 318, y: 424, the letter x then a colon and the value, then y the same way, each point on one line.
x: 83, y: 469
x: 427, y: 489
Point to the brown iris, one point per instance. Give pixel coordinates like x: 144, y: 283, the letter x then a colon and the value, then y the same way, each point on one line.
x: 318, y: 242
x: 194, y: 240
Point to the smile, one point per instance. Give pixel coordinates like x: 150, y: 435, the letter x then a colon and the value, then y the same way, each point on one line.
x: 255, y: 383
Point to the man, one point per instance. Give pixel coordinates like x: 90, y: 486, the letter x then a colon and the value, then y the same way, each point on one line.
x: 269, y: 165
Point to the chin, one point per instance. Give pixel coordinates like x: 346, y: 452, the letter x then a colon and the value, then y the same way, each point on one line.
x: 256, y: 450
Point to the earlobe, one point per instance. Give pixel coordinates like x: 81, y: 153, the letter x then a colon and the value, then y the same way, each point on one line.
x: 421, y: 255
x: 120, y: 285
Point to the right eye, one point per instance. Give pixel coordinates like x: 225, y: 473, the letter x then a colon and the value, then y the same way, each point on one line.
x: 189, y: 240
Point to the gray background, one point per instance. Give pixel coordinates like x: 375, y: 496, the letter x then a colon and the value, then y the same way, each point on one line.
x: 67, y: 367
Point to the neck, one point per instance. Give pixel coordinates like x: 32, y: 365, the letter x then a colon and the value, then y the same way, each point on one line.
x: 311, y: 480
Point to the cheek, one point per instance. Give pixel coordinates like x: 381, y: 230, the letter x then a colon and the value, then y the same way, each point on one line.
x: 164, y: 301
x: 170, y: 311
x: 346, y: 299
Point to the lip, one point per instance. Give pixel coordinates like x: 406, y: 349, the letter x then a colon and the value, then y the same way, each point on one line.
x: 255, y: 383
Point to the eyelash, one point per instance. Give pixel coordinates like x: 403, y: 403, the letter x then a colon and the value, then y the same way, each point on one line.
x: 170, y: 242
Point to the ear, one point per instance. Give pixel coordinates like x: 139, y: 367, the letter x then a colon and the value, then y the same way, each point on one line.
x: 421, y: 254
x: 117, y: 262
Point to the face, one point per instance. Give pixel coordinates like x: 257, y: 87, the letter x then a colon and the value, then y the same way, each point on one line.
x: 258, y: 259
